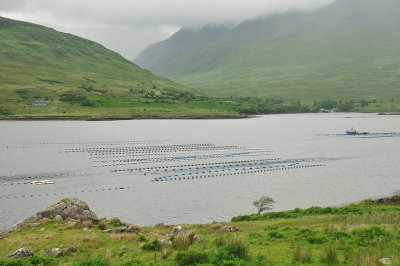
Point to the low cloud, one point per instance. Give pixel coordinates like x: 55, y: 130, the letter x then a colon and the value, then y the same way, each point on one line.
x: 162, y: 17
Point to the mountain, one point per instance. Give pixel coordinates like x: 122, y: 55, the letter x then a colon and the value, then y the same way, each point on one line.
x: 78, y: 78
x: 349, y: 49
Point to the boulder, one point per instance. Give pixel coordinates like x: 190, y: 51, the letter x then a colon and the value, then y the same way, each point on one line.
x: 71, y: 249
x: 385, y: 261
x: 58, y: 218
x: 107, y: 231
x: 120, y: 230
x: 66, y: 209
x: 177, y: 231
x: 52, y: 252
x: 20, y: 253
x: 131, y: 229
x: 231, y: 229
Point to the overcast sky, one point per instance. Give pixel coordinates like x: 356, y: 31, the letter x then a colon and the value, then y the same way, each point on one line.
x: 128, y: 26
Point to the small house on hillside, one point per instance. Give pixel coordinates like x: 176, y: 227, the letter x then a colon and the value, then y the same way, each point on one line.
x: 39, y: 102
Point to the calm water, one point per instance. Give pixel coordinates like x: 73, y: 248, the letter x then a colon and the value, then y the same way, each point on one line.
x: 90, y: 161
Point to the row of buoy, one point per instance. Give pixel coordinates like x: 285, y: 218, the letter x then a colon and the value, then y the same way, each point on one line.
x: 148, y: 147
x: 181, y: 157
x: 209, y: 175
x: 163, y: 160
x: 109, y: 143
x: 157, y: 152
x: 64, y: 193
x: 144, y: 169
x: 256, y: 164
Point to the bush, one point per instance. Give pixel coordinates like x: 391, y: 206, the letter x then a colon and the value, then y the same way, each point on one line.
x: 141, y: 237
x: 14, y: 262
x: 329, y: 254
x: 367, y: 236
x: 191, y: 257
x: 132, y: 263
x: 153, y: 245
x: 301, y: 255
x: 102, y: 225
x: 94, y: 262
x: 367, y: 202
x: 275, y: 234
x: 40, y: 260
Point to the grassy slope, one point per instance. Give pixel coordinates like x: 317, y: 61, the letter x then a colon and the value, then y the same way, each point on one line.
x: 346, y: 50
x: 354, y: 237
x: 46, y: 63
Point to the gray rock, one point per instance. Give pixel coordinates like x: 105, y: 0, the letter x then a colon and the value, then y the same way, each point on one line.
x: 58, y: 218
x: 66, y: 209
x: 231, y: 229
x: 86, y: 229
x: 71, y: 249
x: 120, y: 230
x: 177, y: 231
x: 1, y: 237
x: 33, y: 218
x: 385, y: 261
x: 107, y: 231
x: 123, y: 248
x: 131, y: 229
x: 52, y: 252
x: 41, y: 229
x: 20, y: 253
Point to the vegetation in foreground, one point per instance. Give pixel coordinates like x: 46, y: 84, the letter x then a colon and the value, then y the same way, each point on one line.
x: 358, y: 234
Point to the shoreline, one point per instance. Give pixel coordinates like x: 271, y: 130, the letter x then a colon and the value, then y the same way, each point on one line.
x: 181, y: 117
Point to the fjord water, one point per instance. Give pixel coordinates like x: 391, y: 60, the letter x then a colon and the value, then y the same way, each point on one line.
x: 353, y: 168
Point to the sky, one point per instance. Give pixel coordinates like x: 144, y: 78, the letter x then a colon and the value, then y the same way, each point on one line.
x: 129, y: 26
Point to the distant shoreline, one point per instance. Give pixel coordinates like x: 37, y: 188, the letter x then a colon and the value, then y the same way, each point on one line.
x: 83, y: 118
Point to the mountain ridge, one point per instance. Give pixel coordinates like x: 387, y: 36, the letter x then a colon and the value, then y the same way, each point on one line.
x: 347, y: 48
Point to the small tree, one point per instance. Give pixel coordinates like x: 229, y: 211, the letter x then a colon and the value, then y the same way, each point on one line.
x: 264, y: 204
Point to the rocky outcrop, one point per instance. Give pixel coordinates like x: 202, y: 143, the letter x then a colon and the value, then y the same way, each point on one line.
x: 20, y: 253
x: 52, y: 252
x: 231, y: 229
x: 177, y: 231
x: 67, y: 209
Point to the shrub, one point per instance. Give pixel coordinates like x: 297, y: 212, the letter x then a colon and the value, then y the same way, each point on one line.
x: 152, y: 245
x: 301, y: 255
x: 183, y: 242
x: 329, y: 254
x: 14, y: 262
x: 132, y: 263
x: 220, y: 241
x: 191, y: 257
x: 367, y: 236
x: 40, y: 260
x: 141, y: 237
x: 338, y: 234
x: 275, y: 234
x: 102, y: 225
x: 234, y: 248
x: 367, y: 202
x: 94, y: 262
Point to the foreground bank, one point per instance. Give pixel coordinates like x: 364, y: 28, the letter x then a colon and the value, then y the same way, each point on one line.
x: 366, y: 233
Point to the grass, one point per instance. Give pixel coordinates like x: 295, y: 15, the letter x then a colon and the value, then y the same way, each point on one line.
x: 81, y: 79
x: 337, y: 237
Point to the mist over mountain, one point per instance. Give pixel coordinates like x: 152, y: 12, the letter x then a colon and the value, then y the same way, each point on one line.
x: 348, y: 49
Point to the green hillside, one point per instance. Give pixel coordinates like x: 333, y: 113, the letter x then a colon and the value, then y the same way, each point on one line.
x: 349, y: 49
x: 81, y: 79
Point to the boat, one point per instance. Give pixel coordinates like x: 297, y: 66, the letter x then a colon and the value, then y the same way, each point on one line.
x: 355, y: 132
x: 42, y: 182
